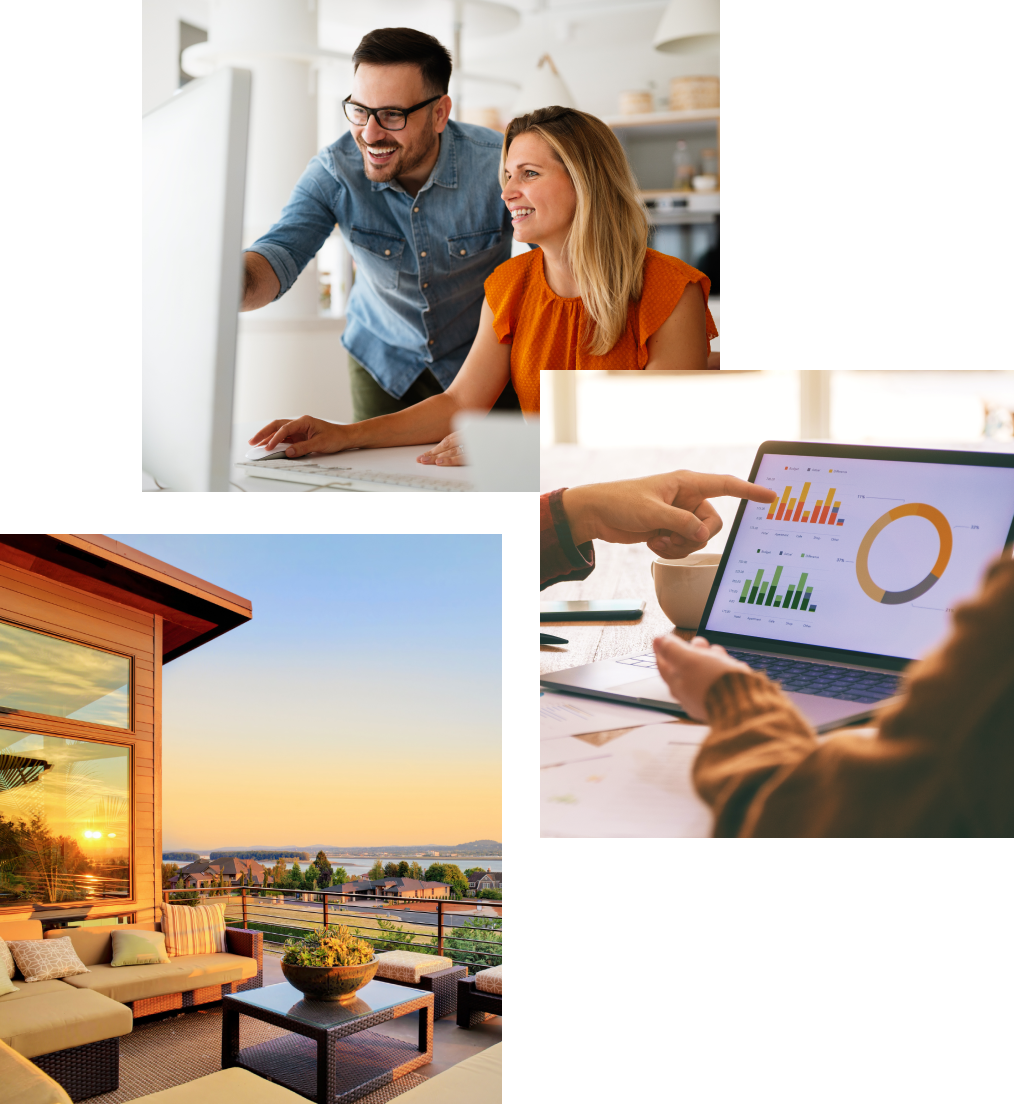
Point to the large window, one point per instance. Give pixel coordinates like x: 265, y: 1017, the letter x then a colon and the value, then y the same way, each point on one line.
x: 64, y: 819
x: 43, y: 674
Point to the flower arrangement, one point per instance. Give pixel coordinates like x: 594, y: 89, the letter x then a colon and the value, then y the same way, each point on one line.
x: 334, y: 946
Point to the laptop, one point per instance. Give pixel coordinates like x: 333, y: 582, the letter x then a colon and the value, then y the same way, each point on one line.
x: 849, y: 575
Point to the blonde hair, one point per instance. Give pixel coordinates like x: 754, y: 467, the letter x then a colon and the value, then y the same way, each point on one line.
x: 608, y: 238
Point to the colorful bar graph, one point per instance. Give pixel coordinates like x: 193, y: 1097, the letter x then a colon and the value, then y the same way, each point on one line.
x: 794, y: 509
x: 780, y: 505
x: 827, y: 503
x: 802, y: 501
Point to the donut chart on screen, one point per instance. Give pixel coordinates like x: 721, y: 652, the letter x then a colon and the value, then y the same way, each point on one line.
x: 898, y: 597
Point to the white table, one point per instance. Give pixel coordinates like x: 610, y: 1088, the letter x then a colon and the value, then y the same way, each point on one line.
x: 396, y: 461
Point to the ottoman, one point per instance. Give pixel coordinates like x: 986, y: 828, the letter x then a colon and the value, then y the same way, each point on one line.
x: 433, y: 973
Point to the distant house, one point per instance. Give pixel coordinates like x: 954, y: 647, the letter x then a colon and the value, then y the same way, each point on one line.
x: 232, y: 872
x: 479, y: 880
x: 395, y: 887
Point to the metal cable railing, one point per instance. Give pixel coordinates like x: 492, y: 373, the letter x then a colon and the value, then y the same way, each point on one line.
x: 470, y: 939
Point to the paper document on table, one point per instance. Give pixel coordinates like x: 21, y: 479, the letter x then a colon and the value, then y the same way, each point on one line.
x: 567, y: 715
x: 569, y: 749
x: 642, y: 787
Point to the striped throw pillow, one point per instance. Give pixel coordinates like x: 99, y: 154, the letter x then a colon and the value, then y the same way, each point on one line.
x: 191, y: 931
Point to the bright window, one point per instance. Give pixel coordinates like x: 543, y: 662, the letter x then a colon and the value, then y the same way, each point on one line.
x: 43, y: 674
x: 64, y: 819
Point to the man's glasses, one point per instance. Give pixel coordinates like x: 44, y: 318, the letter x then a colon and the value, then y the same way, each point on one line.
x: 388, y: 118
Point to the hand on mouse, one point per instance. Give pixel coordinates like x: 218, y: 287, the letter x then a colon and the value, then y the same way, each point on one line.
x: 449, y: 452
x: 670, y: 512
x: 689, y: 670
x: 303, y: 435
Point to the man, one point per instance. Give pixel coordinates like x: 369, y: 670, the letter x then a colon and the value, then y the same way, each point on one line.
x: 417, y: 200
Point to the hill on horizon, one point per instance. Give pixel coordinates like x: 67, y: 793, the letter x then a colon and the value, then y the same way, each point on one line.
x: 474, y: 844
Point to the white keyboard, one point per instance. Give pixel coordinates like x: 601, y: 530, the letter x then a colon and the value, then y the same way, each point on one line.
x: 347, y: 479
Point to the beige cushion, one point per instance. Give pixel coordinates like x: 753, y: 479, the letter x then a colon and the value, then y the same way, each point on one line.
x: 409, y: 966
x: 56, y: 1021
x: 178, y: 975
x: 138, y: 948
x: 191, y: 931
x: 490, y: 981
x: 24, y: 1083
x: 6, y: 959
x: 42, y: 959
x: 21, y: 929
x: 474, y: 1081
x: 230, y: 1086
x: 95, y: 944
x: 34, y: 989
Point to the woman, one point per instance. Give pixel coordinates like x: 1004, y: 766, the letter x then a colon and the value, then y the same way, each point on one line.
x: 591, y: 296
x: 940, y: 764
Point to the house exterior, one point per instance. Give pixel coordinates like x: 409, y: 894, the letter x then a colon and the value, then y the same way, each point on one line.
x: 229, y: 872
x: 405, y: 888
x: 86, y: 625
x: 479, y: 880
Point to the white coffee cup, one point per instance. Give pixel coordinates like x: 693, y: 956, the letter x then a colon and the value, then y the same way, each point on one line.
x: 682, y: 586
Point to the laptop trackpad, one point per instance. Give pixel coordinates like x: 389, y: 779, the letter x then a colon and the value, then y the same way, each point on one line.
x: 652, y: 688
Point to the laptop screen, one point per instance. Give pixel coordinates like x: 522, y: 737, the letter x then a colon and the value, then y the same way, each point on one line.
x: 862, y: 553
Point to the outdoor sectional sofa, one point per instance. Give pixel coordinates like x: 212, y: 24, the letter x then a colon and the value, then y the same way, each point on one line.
x: 71, y: 1028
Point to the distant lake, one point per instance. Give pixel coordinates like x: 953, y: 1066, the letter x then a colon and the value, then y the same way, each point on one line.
x: 359, y: 866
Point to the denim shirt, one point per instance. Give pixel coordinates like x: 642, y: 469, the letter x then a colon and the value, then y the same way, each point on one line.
x: 420, y: 263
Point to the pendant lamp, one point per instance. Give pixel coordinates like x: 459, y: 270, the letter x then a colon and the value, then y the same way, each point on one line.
x: 688, y: 27
x: 543, y: 88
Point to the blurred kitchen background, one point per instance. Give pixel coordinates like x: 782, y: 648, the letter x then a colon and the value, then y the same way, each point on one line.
x: 649, y: 68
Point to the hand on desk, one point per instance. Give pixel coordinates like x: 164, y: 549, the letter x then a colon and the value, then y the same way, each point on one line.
x: 690, y: 669
x: 670, y: 513
x: 303, y: 435
x: 448, y: 452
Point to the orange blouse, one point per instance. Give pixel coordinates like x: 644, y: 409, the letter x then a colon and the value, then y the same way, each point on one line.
x: 547, y: 332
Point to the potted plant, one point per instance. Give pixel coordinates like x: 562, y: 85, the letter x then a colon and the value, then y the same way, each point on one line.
x: 329, y: 965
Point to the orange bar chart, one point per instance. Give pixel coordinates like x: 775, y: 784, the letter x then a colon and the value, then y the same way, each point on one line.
x: 789, y: 509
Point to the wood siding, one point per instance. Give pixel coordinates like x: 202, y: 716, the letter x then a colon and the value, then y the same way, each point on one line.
x: 36, y: 602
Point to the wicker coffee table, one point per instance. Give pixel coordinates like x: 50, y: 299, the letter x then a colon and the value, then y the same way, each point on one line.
x: 330, y: 1054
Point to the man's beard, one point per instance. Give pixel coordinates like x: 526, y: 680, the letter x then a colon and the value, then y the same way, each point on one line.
x: 402, y: 162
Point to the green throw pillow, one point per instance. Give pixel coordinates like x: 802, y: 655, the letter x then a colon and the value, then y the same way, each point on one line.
x: 138, y: 948
x: 6, y: 985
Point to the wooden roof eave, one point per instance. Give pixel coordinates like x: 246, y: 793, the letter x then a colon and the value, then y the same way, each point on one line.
x: 194, y: 611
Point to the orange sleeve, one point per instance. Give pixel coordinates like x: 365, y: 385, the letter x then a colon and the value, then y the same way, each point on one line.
x: 505, y: 292
x: 665, y: 280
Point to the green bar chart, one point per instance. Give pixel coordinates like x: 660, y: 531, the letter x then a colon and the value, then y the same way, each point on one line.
x: 759, y: 591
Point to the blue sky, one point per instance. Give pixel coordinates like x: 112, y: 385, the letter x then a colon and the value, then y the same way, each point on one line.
x: 361, y: 705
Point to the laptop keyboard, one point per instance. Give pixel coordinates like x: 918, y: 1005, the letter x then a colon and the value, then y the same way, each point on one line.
x: 821, y: 679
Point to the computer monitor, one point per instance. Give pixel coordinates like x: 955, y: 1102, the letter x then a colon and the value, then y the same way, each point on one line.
x: 194, y: 177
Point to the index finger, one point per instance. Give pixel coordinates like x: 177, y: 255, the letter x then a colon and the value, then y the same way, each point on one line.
x: 263, y: 434
x: 712, y: 485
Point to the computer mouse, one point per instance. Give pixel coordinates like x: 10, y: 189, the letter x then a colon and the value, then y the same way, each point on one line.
x: 259, y: 453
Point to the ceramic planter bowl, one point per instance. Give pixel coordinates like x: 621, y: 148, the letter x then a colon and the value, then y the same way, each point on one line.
x: 330, y: 983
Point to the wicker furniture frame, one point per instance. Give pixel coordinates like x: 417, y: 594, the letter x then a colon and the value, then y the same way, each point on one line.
x: 84, y: 1071
x: 329, y: 1064
x: 443, y: 984
x: 238, y: 941
x: 473, y: 1004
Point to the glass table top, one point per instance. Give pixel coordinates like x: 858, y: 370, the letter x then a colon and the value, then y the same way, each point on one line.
x: 285, y: 1000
